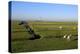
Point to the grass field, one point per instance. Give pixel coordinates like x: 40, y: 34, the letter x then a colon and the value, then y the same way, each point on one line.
x: 52, y: 36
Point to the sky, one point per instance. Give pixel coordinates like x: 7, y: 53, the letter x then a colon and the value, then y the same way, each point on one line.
x: 43, y: 11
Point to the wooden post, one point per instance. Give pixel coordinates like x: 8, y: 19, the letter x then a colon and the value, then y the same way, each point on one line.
x: 30, y: 31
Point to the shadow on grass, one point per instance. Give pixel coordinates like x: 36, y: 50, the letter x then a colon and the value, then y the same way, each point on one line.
x: 18, y: 31
x: 20, y: 39
x: 47, y: 37
x: 53, y: 37
x: 24, y: 39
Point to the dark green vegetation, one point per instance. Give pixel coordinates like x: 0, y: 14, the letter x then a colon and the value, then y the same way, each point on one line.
x: 52, y: 36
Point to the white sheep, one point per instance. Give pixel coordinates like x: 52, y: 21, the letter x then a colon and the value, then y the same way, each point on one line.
x: 69, y: 37
x: 60, y: 27
x: 64, y: 36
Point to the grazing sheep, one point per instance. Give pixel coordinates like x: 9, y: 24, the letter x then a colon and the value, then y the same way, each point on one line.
x: 69, y: 37
x: 64, y: 36
x: 60, y: 27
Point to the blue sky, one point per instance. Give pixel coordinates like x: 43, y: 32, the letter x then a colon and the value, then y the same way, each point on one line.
x: 43, y: 11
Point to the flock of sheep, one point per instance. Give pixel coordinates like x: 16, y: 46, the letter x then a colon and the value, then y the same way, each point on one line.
x: 68, y: 37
